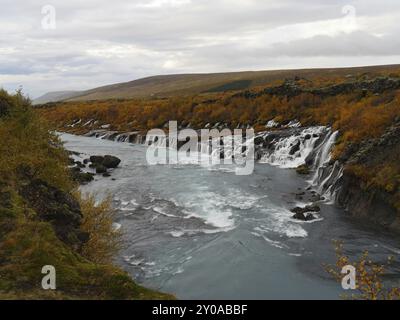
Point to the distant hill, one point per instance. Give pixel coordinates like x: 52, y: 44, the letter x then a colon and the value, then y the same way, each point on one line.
x: 55, y: 96
x: 183, y: 84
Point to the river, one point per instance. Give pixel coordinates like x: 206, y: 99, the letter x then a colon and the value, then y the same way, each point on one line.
x: 205, y: 233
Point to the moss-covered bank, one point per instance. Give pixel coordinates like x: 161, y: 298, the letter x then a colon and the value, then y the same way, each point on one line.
x: 41, y: 218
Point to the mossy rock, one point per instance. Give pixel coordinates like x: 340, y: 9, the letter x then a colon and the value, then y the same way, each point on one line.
x: 303, y: 170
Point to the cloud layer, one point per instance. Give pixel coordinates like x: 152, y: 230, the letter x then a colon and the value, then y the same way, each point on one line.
x: 99, y: 42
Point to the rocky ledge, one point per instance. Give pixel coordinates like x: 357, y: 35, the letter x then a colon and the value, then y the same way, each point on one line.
x: 378, y: 204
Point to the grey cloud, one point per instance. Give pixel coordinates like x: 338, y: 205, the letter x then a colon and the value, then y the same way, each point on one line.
x: 99, y: 42
x: 353, y: 44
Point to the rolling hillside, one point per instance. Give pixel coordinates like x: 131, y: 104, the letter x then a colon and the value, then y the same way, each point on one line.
x: 187, y: 84
x: 55, y: 96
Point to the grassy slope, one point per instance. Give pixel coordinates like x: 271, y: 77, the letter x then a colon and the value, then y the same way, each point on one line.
x: 28, y: 240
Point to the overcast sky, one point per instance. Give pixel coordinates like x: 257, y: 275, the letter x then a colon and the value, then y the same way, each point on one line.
x: 98, y: 42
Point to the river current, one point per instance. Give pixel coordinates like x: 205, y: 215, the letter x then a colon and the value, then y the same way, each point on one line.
x: 205, y: 233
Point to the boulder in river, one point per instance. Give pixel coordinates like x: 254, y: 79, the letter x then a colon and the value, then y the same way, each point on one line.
x: 312, y: 208
x: 111, y: 161
x: 107, y: 161
x: 101, y: 169
x: 304, y: 217
x: 96, y: 159
x: 81, y: 177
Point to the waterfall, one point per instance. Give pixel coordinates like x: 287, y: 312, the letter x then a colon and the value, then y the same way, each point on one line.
x: 291, y: 148
x: 323, y: 155
x: 326, y: 174
x: 286, y: 148
x: 291, y: 151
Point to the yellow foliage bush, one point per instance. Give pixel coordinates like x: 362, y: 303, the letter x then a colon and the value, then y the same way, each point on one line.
x: 369, y: 276
x: 104, y: 240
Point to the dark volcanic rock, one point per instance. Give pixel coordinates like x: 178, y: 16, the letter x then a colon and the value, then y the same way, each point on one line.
x: 106, y: 161
x: 291, y: 89
x: 299, y: 210
x: 81, y: 177
x: 79, y: 164
x: 310, y: 217
x: 371, y: 203
x: 101, y: 169
x: 304, y: 217
x: 258, y: 140
x: 111, y: 161
x: 96, y: 159
x: 57, y: 207
x: 299, y: 216
x: 295, y: 148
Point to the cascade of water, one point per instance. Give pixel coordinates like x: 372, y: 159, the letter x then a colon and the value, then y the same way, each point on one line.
x: 325, y: 152
x: 323, y: 157
x: 291, y: 151
x: 287, y: 150
x: 327, y: 175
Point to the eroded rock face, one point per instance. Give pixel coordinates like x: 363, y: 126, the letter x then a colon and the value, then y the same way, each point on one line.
x: 59, y: 208
x: 369, y: 202
x: 372, y: 204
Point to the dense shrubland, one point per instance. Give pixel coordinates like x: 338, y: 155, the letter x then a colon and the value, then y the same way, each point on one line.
x: 43, y: 221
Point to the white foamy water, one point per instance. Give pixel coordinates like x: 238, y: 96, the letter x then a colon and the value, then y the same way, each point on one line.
x: 216, y: 208
x: 280, y: 221
x: 292, y: 151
